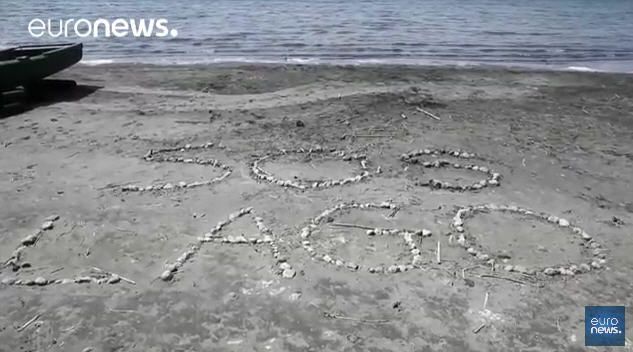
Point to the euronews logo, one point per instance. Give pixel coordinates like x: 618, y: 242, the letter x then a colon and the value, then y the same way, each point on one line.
x: 605, y: 326
x: 118, y: 28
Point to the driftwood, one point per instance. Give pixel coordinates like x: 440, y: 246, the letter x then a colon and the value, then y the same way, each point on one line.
x: 26, y: 325
x: 352, y: 226
x: 503, y: 278
x: 478, y: 329
x: 369, y: 321
x: 427, y: 113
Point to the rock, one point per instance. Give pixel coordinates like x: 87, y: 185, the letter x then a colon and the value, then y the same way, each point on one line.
x: 40, y: 281
x: 52, y: 218
x: 585, y: 268
x: 47, y: 225
x: 285, y: 266
x: 83, y: 279
x: 114, y: 279
x: 551, y: 271
x: 295, y: 296
x: 67, y: 281
x: 288, y: 273
x: 352, y: 266
x: 520, y: 269
x: 563, y: 222
x: 300, y: 123
x: 508, y: 268
x: 393, y: 269
x: 8, y: 281
x: 426, y: 233
x: 29, y: 240
x: 166, y: 275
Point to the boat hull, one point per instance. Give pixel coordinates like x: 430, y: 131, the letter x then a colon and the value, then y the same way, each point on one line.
x: 27, y: 65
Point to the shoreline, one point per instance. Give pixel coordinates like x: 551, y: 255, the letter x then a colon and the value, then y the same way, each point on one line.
x: 597, y: 67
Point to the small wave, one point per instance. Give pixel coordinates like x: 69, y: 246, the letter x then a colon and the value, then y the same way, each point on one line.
x: 581, y: 69
x: 96, y: 62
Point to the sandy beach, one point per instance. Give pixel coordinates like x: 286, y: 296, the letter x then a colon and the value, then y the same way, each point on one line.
x: 196, y: 208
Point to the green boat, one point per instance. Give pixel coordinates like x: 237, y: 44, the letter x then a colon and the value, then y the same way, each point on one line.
x: 28, y: 65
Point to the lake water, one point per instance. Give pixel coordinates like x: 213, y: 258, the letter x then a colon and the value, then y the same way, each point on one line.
x: 559, y: 34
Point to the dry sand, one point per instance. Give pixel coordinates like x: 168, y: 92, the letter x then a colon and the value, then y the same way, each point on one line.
x: 562, y: 142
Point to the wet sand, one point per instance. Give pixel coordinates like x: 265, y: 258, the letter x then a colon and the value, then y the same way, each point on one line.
x: 561, y: 143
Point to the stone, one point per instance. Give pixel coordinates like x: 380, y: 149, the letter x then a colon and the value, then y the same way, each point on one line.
x: 166, y: 275
x: 29, y: 240
x: 67, y: 281
x: 508, y: 268
x: 40, y: 281
x: 114, y: 279
x: 551, y: 271
x: 54, y: 217
x: 426, y: 233
x: 8, y: 281
x: 585, y: 268
x: 288, y: 273
x: 563, y: 222
x: 295, y: 296
x: 83, y: 279
x: 352, y: 266
x: 284, y: 266
x: 520, y: 269
x: 393, y: 269
x: 47, y: 225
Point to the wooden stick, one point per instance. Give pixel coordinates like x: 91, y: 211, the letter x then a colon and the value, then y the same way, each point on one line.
x: 485, y: 301
x: 26, y: 325
x: 438, y: 253
x: 503, y: 278
x: 371, y: 321
x: 352, y: 225
x: 427, y: 113
x: 111, y: 273
x: 478, y: 329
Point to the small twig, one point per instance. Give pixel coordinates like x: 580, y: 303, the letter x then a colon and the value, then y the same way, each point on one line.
x: 373, y: 135
x: 478, y: 329
x: 438, y: 253
x: 57, y: 270
x: 351, y: 225
x: 111, y: 273
x: 26, y: 325
x: 192, y: 122
x: 427, y: 113
x: 465, y: 269
x: 503, y: 278
x: 394, y: 212
x: 485, y: 301
x: 370, y: 321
